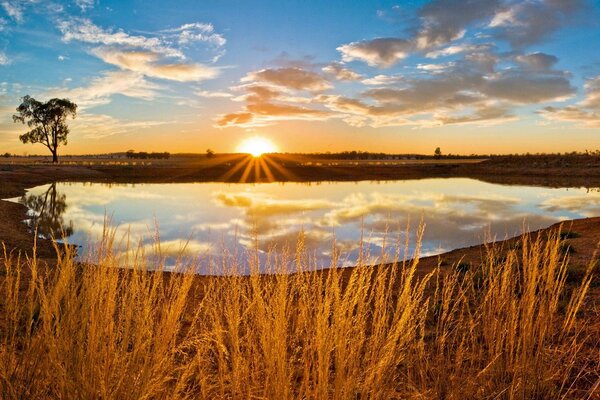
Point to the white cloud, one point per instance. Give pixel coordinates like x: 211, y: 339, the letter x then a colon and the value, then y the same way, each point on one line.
x: 212, y: 95
x: 83, y: 30
x: 379, y: 80
x: 340, y: 72
x: 101, y: 89
x: 4, y: 59
x: 84, y: 5
x: 196, y: 32
x: 149, y: 64
x: 13, y: 9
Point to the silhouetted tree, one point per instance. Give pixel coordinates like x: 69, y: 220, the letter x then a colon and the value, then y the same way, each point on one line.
x: 47, y: 120
x: 438, y: 153
x: 47, y: 211
x: 6, y: 155
x: 210, y: 153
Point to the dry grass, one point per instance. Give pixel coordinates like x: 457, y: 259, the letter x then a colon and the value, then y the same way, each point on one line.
x: 509, y: 329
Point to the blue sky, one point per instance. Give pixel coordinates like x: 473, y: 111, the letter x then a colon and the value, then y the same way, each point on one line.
x: 469, y: 76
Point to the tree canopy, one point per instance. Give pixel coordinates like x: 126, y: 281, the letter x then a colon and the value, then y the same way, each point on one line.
x: 47, y: 122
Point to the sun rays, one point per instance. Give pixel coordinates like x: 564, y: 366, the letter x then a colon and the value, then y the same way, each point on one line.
x: 247, y: 168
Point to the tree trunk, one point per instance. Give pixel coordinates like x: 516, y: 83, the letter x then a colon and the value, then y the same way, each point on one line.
x: 54, y: 157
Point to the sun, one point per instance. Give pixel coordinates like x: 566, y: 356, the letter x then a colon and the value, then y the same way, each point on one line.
x: 257, y: 146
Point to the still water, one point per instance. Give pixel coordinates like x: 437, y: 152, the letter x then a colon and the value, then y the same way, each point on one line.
x: 200, y: 220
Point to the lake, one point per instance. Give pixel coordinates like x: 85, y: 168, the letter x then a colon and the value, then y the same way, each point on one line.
x: 200, y: 220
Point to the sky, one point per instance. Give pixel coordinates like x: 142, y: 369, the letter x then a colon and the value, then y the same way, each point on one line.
x: 472, y: 76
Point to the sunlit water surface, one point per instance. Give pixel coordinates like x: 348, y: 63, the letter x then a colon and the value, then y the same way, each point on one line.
x: 200, y: 220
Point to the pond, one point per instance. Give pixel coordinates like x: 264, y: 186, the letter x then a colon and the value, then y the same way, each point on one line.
x: 201, y: 220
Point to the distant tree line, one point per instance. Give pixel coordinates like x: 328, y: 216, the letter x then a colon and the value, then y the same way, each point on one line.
x: 145, y: 155
x: 437, y: 154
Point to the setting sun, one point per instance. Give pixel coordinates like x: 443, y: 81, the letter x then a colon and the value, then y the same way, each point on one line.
x: 257, y: 146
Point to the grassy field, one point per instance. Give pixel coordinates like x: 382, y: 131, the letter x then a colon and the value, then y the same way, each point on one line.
x: 509, y: 328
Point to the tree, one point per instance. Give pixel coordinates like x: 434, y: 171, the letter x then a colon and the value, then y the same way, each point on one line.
x: 210, y: 153
x: 47, y: 120
x: 438, y: 153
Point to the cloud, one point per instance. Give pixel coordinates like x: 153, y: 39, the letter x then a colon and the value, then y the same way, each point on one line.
x: 537, y: 61
x: 341, y: 73
x: 522, y: 88
x: 455, y: 49
x: 84, y: 5
x: 584, y: 114
x: 434, y: 68
x: 149, y: 64
x: 4, y: 59
x: 14, y: 9
x: 101, y: 89
x: 382, y: 52
x: 270, y: 96
x: 466, y: 91
x: 445, y: 22
x: 527, y: 22
x: 293, y: 78
x: 212, y: 95
x: 379, y: 80
x: 83, y: 30
x: 196, y: 32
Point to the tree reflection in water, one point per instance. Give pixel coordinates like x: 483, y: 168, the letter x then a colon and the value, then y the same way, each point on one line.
x: 46, y: 213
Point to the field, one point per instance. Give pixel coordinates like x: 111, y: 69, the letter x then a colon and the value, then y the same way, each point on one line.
x: 513, y: 320
x: 510, y: 327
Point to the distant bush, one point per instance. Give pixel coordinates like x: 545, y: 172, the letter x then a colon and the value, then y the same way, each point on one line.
x: 144, y: 155
x: 7, y: 155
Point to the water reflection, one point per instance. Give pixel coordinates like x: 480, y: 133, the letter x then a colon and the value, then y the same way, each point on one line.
x: 203, y: 218
x: 46, y: 212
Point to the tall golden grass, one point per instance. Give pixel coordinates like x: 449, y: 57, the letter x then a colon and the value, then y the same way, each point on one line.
x: 508, y: 329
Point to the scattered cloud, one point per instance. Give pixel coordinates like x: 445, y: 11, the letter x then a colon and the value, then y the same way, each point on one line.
x: 4, y: 59
x: 292, y: 78
x: 342, y: 73
x: 380, y: 80
x: 84, y: 5
x: 271, y: 95
x: 84, y: 30
x: 212, y: 95
x: 100, y: 90
x: 149, y: 63
x: 537, y: 61
x: 524, y: 23
x: 14, y: 9
x: 381, y: 52
x: 196, y: 32
x: 442, y: 23
x: 585, y: 114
